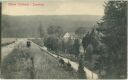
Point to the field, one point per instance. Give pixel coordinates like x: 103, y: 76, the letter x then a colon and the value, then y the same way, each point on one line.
x: 29, y: 63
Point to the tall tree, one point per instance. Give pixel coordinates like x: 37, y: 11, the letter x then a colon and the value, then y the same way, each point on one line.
x: 51, y: 43
x: 86, y: 41
x: 114, y: 27
x: 76, y: 47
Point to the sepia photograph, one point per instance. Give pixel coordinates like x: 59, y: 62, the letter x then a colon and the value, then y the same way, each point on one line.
x: 63, y: 39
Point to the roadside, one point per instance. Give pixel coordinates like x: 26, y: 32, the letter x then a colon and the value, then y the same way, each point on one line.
x: 74, y: 65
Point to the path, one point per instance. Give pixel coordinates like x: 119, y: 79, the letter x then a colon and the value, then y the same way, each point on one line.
x: 89, y: 74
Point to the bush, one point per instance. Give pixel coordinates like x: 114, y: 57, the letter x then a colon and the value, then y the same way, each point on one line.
x: 69, y: 68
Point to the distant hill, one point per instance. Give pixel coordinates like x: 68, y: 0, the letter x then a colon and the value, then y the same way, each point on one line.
x: 27, y: 26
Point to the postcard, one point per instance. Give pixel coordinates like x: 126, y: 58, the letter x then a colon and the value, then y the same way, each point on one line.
x: 63, y: 39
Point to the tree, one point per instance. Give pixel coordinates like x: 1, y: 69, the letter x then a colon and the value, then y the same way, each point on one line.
x: 69, y: 46
x: 51, y: 30
x: 76, y: 47
x: 86, y: 41
x: 101, y: 62
x: 51, y: 43
x: 80, y: 31
x: 55, y: 30
x: 114, y: 27
x: 59, y: 31
x: 81, y: 72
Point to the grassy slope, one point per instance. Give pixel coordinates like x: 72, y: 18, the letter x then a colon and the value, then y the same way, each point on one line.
x: 19, y: 65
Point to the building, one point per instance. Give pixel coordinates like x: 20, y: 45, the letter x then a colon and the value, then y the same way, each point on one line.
x: 68, y: 36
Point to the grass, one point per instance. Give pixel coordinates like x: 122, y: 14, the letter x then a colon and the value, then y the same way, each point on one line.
x: 15, y: 65
x: 19, y: 65
x: 52, y: 69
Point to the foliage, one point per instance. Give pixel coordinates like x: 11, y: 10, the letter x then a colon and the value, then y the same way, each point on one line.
x: 68, y: 46
x: 86, y: 40
x: 80, y: 31
x: 114, y: 27
x: 76, y: 47
x: 51, y: 43
x: 61, y: 61
x: 112, y: 46
x: 56, y: 30
x: 69, y: 68
x: 81, y: 71
x: 102, y: 61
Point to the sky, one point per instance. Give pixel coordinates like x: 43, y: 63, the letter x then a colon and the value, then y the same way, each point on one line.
x: 53, y: 7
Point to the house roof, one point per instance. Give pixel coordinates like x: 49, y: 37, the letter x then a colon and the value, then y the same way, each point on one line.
x: 70, y: 34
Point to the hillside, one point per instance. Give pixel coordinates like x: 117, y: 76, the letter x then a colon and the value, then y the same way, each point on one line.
x: 32, y: 62
x: 27, y: 26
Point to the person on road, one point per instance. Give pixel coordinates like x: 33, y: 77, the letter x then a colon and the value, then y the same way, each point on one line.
x: 28, y: 43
